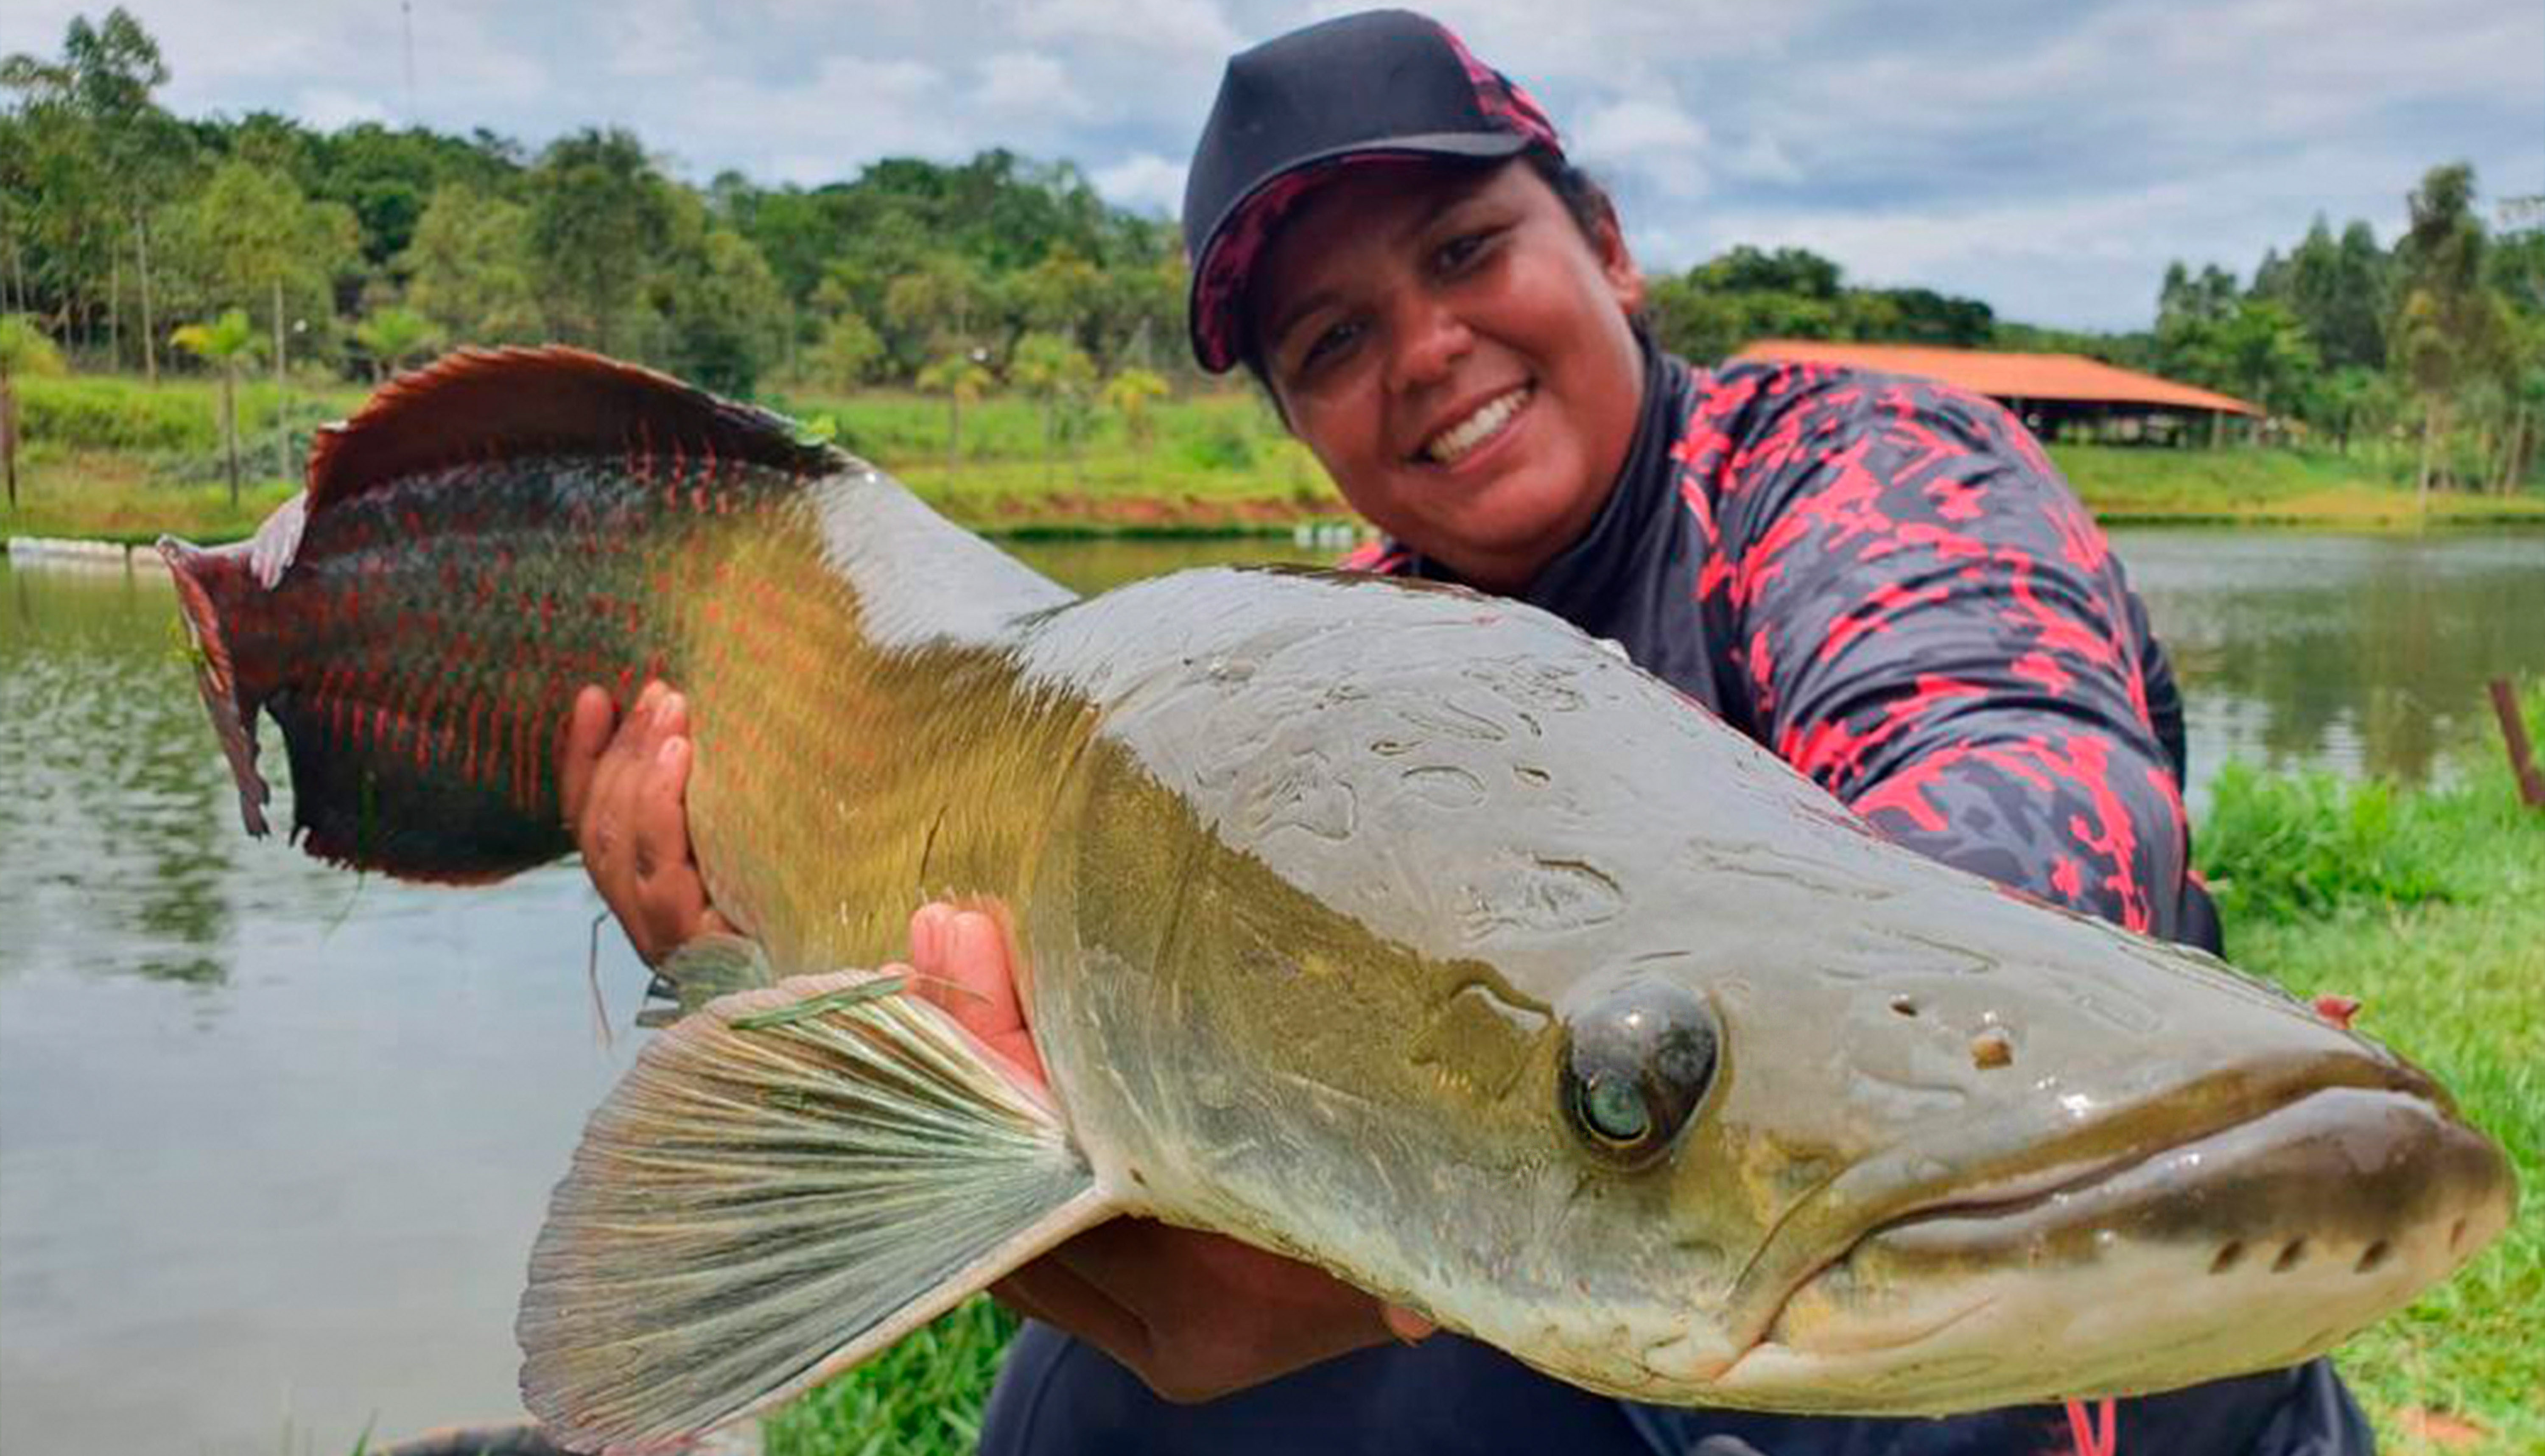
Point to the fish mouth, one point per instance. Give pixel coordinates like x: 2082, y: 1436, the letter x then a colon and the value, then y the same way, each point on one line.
x: 2251, y: 1242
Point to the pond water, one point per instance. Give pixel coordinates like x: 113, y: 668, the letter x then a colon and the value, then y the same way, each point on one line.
x: 275, y: 1141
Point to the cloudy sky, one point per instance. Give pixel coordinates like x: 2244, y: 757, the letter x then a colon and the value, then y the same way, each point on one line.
x: 2049, y: 158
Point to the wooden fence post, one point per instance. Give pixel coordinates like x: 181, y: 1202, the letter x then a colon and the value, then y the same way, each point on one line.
x: 2513, y: 732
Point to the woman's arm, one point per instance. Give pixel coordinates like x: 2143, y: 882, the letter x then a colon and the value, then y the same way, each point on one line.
x: 1932, y: 627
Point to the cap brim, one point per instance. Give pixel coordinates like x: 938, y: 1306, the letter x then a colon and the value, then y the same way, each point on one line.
x: 1212, y: 298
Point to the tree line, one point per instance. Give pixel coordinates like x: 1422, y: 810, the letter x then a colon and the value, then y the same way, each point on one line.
x: 364, y: 248
x: 361, y: 248
x: 2439, y: 336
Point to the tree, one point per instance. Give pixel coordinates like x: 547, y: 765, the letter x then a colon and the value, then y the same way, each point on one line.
x: 252, y: 239
x: 727, y: 318
x: 2449, y: 327
x: 1057, y: 372
x: 848, y: 352
x: 598, y: 219
x: 468, y: 268
x: 24, y: 350
x: 1691, y: 321
x: 1128, y: 394
x: 2338, y: 291
x: 96, y: 152
x: 1748, y: 269
x: 930, y: 310
x: 393, y: 336
x: 229, y: 342
x: 2266, y: 352
x: 1061, y: 294
x: 960, y: 377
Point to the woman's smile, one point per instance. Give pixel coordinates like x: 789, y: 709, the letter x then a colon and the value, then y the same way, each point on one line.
x: 1473, y: 431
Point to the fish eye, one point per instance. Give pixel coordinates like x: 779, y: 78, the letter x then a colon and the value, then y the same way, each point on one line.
x: 1637, y: 1063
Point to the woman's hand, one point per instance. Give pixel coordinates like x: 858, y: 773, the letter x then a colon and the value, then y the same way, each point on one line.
x: 1194, y: 1315
x: 622, y: 796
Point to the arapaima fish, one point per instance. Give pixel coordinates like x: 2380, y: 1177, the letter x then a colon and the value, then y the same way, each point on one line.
x: 1393, y: 928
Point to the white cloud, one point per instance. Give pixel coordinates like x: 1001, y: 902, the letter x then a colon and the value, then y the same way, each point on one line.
x: 1652, y: 139
x: 1144, y: 181
x: 1624, y: 130
x: 1760, y: 157
x: 1191, y: 28
x: 653, y: 38
x: 1028, y: 86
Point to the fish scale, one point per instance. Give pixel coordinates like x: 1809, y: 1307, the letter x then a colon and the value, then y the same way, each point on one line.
x: 1398, y: 930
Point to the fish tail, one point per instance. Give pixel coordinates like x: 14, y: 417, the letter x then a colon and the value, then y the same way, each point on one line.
x: 206, y: 581
x: 366, y: 790
x: 787, y: 1182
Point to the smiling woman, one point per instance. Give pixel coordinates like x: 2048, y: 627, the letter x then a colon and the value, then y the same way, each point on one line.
x: 1455, y: 349
x: 1882, y: 580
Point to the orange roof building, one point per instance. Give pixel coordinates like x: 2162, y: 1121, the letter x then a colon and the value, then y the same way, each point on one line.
x: 2056, y: 385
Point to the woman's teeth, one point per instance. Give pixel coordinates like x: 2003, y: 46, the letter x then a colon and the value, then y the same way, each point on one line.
x: 1446, y: 447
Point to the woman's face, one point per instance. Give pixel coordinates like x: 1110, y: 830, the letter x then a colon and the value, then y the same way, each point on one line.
x: 1457, y: 355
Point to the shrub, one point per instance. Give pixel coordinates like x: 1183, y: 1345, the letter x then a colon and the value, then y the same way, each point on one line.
x: 2286, y: 847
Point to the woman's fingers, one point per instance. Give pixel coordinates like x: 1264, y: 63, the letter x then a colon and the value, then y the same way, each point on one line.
x: 965, y: 966
x: 624, y: 800
x: 586, y: 733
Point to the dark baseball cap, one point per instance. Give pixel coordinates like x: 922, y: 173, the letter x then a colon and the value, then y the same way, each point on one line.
x: 1381, y: 85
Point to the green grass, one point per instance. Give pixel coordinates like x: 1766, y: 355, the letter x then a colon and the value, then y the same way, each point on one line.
x: 922, y: 1395
x: 2236, y: 483
x: 2429, y: 908
x: 113, y: 458
x: 110, y: 457
x: 1216, y: 459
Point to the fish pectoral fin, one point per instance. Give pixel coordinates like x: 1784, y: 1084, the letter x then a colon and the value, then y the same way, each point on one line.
x: 713, y: 965
x: 784, y: 1183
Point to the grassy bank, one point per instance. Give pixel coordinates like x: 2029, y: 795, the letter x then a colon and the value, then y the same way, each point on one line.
x: 113, y: 458
x: 2428, y: 907
x: 110, y: 457
x: 2243, y: 485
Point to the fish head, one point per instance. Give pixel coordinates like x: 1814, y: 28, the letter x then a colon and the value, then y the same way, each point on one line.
x: 2042, y: 1158
x: 1591, y: 1029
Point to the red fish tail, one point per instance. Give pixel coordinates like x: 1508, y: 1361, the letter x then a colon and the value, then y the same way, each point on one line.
x: 208, y: 584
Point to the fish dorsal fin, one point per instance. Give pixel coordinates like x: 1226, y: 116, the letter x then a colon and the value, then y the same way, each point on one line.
x: 784, y: 1183
x: 481, y: 405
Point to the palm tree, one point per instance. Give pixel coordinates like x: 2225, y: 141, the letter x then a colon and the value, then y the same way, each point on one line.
x: 393, y: 336
x: 960, y: 377
x: 228, y: 341
x: 1056, y: 371
x: 24, y: 350
x: 1128, y: 394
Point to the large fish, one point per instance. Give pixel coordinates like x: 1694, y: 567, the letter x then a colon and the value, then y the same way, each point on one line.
x: 1400, y: 929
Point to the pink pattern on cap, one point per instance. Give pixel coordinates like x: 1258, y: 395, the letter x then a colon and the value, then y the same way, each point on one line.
x: 1221, y: 288
x: 1501, y: 97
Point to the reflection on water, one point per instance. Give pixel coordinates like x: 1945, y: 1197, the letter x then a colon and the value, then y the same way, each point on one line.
x: 2362, y: 654
x: 101, y: 777
x: 275, y: 1140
